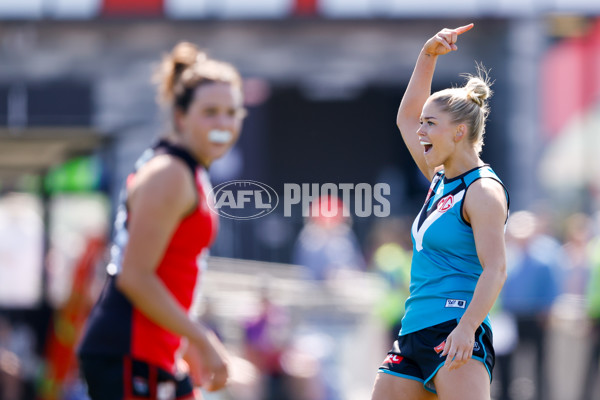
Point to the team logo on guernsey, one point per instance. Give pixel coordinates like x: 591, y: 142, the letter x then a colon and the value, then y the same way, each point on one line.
x: 243, y: 199
x: 393, y: 359
x: 445, y: 204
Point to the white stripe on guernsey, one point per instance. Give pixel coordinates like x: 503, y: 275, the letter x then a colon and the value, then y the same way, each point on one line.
x: 196, y: 308
x: 419, y: 233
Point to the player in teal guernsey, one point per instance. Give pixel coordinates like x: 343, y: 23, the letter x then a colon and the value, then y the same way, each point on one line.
x: 445, y: 265
x: 444, y: 348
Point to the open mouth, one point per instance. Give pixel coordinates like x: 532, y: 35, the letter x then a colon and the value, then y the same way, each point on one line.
x: 427, y: 146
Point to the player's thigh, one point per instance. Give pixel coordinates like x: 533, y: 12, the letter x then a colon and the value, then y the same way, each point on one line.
x: 469, y: 382
x: 390, y: 387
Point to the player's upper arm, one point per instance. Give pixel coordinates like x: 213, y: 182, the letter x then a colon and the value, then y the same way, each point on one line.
x: 486, y: 209
x: 161, y: 195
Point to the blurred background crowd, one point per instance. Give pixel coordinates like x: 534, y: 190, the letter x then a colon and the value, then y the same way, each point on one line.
x: 307, y: 306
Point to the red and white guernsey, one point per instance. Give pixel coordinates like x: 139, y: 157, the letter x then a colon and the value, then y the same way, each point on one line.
x: 115, y: 327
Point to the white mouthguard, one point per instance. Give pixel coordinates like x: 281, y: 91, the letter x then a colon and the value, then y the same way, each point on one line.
x: 218, y: 136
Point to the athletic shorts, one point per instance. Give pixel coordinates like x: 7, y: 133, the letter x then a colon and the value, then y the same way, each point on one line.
x: 417, y: 355
x: 121, y: 378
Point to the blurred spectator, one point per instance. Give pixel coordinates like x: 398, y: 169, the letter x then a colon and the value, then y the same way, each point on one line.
x: 327, y: 246
x: 10, y: 384
x: 391, y: 258
x: 506, y: 339
x: 544, y: 243
x: 210, y: 319
x: 266, y: 337
x: 593, y: 297
x: 528, y: 294
x: 18, y: 362
x: 61, y: 377
x: 576, y: 269
x: 329, y: 249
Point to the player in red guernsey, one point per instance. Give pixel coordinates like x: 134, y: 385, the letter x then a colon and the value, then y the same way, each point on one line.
x: 140, y: 326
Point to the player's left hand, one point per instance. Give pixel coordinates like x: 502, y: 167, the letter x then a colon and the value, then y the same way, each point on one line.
x: 191, y: 364
x: 212, y: 359
x: 459, y: 347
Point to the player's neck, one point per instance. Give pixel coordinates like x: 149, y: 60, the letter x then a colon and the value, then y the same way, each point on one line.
x: 461, y: 163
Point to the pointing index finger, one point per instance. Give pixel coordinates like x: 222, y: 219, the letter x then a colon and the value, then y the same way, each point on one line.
x: 463, y: 29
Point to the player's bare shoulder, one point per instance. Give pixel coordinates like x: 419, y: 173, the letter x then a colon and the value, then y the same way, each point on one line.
x: 486, y: 198
x: 166, y: 179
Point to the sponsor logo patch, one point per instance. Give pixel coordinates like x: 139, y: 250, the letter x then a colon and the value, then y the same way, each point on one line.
x: 476, y: 346
x: 440, y: 347
x: 454, y: 303
x: 393, y: 359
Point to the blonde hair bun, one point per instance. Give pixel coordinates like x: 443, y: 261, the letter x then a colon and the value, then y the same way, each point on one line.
x: 478, y: 90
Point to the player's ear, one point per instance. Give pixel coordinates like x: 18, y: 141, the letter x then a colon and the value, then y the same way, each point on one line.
x: 178, y: 117
x: 461, y: 132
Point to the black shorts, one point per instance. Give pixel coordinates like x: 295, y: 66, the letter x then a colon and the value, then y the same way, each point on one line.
x: 417, y: 355
x: 121, y: 378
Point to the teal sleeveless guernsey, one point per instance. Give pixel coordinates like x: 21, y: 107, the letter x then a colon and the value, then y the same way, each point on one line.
x: 445, y: 267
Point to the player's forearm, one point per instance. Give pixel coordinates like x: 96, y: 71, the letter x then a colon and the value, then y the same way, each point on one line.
x: 151, y: 297
x: 486, y: 292
x: 411, y: 106
x: 418, y: 90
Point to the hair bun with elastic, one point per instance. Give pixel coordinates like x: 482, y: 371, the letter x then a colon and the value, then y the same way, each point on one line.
x: 186, y: 67
x: 183, y: 56
x: 478, y: 91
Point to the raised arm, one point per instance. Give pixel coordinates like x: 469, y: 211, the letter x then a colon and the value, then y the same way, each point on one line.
x: 419, y: 89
